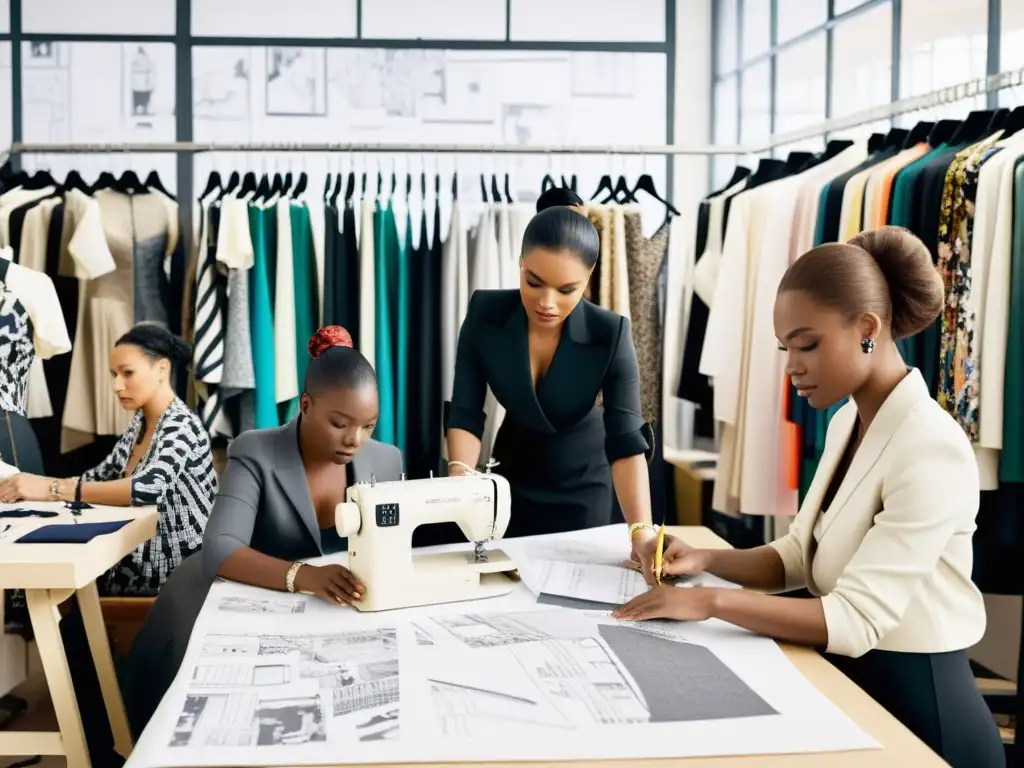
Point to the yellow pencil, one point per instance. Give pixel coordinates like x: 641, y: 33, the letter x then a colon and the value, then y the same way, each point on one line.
x: 657, y: 553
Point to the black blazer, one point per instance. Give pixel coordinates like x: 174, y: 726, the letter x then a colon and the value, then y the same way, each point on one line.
x: 595, y: 355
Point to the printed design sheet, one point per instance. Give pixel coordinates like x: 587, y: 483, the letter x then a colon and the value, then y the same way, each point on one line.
x: 490, y: 680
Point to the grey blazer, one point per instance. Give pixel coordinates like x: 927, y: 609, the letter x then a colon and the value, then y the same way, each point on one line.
x: 263, y: 502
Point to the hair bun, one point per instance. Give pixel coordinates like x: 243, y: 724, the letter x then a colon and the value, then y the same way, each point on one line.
x: 916, y: 288
x: 327, y: 337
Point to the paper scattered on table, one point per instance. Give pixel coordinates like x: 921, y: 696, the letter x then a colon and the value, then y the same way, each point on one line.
x: 502, y: 679
x: 6, y: 470
x: 594, y: 583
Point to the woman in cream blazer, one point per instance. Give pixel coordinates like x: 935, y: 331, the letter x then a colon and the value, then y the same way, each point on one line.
x: 882, y: 541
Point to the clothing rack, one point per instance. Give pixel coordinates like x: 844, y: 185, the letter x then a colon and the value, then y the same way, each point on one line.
x: 383, y: 148
x: 1009, y: 79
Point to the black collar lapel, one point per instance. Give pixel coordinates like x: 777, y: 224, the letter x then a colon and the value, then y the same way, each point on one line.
x: 291, y: 476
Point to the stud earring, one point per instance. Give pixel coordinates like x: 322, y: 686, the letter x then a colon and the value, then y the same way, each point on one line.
x: 868, y: 346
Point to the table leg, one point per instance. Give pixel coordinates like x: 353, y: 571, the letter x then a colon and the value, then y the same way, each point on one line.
x: 99, y: 644
x: 46, y: 627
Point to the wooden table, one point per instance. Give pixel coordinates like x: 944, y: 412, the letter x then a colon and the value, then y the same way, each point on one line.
x: 50, y: 574
x: 901, y: 748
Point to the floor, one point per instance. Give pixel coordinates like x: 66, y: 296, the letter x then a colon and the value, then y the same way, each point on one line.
x: 39, y: 717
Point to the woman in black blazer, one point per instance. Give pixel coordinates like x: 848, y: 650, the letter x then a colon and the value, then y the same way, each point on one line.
x: 547, y: 354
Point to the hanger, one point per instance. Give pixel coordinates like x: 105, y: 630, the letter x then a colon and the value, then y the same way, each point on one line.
x: 153, y: 182
x: 105, y: 180
x: 350, y: 185
x: 333, y: 199
x: 249, y: 184
x: 495, y: 193
x: 767, y: 170
x: 918, y: 133
x: 363, y: 192
x: 300, y: 185
x: 621, y: 193
x: 798, y: 161
x: 646, y: 184
x: 394, y: 183
x: 327, y: 186
x: 943, y: 132
x: 572, y: 182
x: 1014, y: 122
x: 408, y: 186
x: 287, y: 183
x: 455, y: 186
x: 212, y: 182
x: 974, y: 128
x: 233, y: 182
x: 37, y: 180
x: 74, y: 180
x: 423, y: 185
x: 263, y: 188
x: 603, y: 186
x: 483, y: 187
x: 380, y: 183
x: 437, y: 190
x: 549, y: 183
x: 895, y: 138
x: 508, y: 192
x: 875, y: 142
x: 129, y: 183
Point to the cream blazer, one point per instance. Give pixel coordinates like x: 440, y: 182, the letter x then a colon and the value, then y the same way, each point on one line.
x: 892, y: 563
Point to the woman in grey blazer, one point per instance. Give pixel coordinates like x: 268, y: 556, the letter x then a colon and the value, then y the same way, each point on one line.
x: 274, y: 509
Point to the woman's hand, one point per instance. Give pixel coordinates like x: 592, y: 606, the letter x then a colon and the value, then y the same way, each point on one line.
x: 331, y: 582
x: 24, y: 487
x: 678, y: 559
x: 665, y: 602
x: 645, y: 541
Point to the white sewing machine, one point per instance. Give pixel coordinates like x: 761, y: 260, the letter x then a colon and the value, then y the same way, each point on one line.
x: 379, y: 520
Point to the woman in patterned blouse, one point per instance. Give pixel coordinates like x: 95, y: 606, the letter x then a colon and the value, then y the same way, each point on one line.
x: 163, y: 458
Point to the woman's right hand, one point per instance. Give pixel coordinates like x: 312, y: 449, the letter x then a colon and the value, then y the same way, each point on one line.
x: 331, y: 582
x: 678, y: 559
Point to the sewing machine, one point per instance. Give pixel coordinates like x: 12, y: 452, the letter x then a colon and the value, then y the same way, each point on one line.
x: 379, y: 520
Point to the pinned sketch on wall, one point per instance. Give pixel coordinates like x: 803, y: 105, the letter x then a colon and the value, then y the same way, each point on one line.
x: 141, y: 82
x: 221, y: 78
x: 532, y: 124
x: 470, y: 94
x: 42, y: 53
x: 603, y: 75
x: 296, y: 82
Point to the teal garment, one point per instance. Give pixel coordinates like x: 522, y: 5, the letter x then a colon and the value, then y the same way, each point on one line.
x: 402, y: 337
x: 903, y: 188
x: 385, y: 247
x: 261, y: 319
x: 1011, y: 459
x: 307, y: 305
x: 819, y: 227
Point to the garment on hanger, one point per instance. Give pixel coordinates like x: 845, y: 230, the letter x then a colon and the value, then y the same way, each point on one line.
x: 643, y: 260
x: 261, y: 317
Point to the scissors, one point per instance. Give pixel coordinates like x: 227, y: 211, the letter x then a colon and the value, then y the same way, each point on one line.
x: 658, y: 553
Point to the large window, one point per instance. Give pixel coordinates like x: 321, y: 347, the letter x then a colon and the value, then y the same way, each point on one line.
x: 944, y: 42
x: 802, y: 63
x: 800, y: 87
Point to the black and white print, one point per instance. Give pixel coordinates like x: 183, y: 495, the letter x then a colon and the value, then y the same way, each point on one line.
x: 17, y: 350
x: 176, y: 475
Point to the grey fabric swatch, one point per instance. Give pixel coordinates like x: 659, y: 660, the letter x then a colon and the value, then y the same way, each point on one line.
x: 682, y: 681
x: 574, y: 602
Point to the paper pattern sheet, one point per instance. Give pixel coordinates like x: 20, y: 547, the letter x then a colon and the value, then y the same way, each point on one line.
x: 500, y: 679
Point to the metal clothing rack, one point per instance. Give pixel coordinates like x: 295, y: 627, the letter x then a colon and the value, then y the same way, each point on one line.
x: 1009, y: 79
x: 322, y: 147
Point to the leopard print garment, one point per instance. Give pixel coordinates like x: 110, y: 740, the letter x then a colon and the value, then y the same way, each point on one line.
x: 643, y: 260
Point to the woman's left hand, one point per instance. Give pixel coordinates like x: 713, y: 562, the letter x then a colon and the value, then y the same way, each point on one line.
x: 665, y: 602
x: 645, y: 541
x: 24, y: 487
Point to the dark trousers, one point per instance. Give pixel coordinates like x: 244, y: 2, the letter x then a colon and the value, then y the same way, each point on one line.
x: 98, y: 735
x: 935, y: 696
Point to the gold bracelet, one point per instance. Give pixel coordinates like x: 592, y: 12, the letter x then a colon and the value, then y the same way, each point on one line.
x: 289, y: 579
x: 634, y: 527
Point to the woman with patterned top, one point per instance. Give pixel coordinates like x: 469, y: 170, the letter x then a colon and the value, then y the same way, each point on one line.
x: 163, y: 459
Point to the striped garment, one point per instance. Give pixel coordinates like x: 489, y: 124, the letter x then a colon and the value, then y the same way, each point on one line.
x: 210, y: 300
x: 176, y: 475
